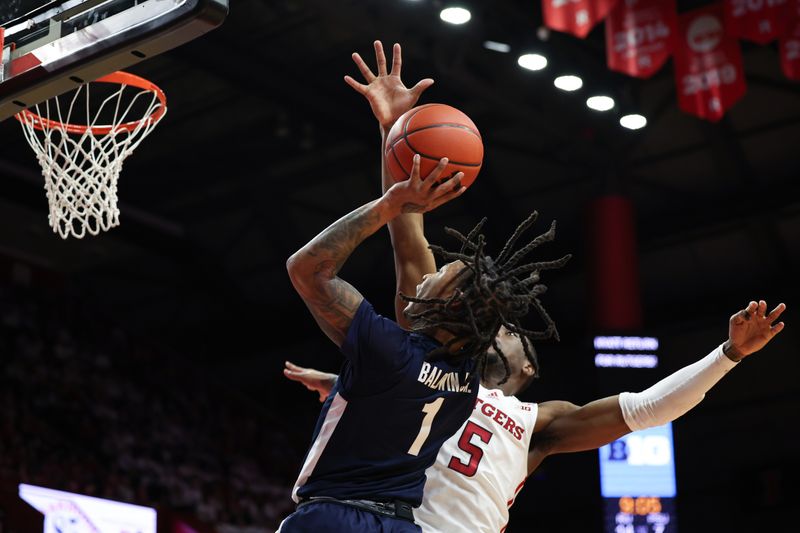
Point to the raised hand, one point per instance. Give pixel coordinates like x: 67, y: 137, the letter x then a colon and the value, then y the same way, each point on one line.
x: 418, y: 195
x: 314, y: 380
x: 751, y: 329
x: 387, y: 95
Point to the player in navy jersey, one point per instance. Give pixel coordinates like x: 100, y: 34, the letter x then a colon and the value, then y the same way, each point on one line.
x: 402, y: 393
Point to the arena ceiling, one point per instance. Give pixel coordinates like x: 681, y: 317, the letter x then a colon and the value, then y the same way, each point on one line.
x: 264, y: 145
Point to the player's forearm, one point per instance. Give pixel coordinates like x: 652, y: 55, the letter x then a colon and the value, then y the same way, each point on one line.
x: 412, y: 257
x: 326, y: 253
x: 406, y: 230
x: 313, y: 269
x: 676, y: 394
x: 586, y: 428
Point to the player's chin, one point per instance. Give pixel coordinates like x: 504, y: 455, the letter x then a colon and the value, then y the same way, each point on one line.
x: 492, y: 357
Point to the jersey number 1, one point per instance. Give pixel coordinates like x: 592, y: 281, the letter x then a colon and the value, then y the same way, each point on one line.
x: 430, y: 410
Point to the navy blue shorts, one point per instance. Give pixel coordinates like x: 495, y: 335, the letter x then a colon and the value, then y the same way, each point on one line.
x: 328, y: 517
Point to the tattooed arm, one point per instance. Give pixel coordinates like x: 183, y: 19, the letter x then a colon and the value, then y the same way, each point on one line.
x: 314, y: 268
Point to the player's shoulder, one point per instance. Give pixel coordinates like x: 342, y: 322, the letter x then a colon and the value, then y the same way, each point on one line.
x: 551, y: 410
x: 557, y: 407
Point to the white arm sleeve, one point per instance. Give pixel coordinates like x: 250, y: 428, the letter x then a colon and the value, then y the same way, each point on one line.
x: 676, y: 394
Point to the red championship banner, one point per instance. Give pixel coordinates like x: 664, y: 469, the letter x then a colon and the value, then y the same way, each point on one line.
x: 577, y: 17
x: 790, y: 44
x: 708, y: 64
x: 640, y: 36
x: 760, y: 21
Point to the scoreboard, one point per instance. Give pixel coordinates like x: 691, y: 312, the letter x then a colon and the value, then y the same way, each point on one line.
x: 637, y: 482
x: 637, y: 471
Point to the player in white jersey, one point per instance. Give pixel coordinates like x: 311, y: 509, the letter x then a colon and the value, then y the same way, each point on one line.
x: 481, y: 468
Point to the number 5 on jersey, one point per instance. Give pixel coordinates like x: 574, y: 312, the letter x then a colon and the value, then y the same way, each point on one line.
x: 430, y: 410
x: 475, y: 452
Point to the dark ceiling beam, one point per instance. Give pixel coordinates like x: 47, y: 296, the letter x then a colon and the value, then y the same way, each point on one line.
x: 687, y: 311
x: 789, y: 87
x: 700, y: 146
x: 731, y: 161
x: 726, y: 151
x: 283, y: 80
x: 572, y: 181
x: 717, y: 214
x: 288, y: 16
x: 283, y: 177
x: 519, y: 146
x: 660, y: 187
x: 705, y: 216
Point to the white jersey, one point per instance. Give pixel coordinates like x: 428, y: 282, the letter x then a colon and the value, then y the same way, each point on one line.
x: 479, y: 470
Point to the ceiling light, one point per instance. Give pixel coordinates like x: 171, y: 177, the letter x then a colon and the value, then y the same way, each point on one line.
x: 568, y: 83
x: 633, y: 121
x: 497, y: 47
x: 543, y: 33
x: 455, y: 15
x: 600, y: 103
x: 532, y: 61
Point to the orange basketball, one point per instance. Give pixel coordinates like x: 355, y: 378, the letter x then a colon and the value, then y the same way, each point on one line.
x: 434, y: 131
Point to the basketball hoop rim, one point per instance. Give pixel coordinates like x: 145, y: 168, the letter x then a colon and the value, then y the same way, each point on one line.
x: 121, y: 78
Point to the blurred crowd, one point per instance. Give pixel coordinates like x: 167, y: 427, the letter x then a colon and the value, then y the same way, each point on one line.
x: 85, y: 408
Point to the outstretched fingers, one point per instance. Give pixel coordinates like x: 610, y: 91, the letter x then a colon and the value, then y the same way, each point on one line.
x: 363, y: 68
x: 415, y: 163
x: 421, y: 86
x: 449, y: 183
x: 435, y: 191
x: 453, y: 194
x: 380, y: 57
x: 779, y: 309
x: 292, y: 371
x: 769, y: 319
x: 397, y: 60
x: 359, y: 87
x: 761, y: 309
x: 757, y: 312
x: 745, y: 314
x: 432, y: 179
x: 449, y: 189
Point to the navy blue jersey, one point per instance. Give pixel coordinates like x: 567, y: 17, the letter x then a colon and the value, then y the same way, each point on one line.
x: 389, y: 413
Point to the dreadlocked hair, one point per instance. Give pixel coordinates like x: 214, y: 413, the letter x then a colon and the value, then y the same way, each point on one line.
x: 491, y: 293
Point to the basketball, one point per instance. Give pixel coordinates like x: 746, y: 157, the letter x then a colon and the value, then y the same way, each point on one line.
x: 434, y: 131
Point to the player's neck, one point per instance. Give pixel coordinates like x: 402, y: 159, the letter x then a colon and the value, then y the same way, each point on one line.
x: 506, y: 388
x: 443, y: 337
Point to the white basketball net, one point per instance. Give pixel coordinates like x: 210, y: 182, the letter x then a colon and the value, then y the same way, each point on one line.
x: 81, y: 169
